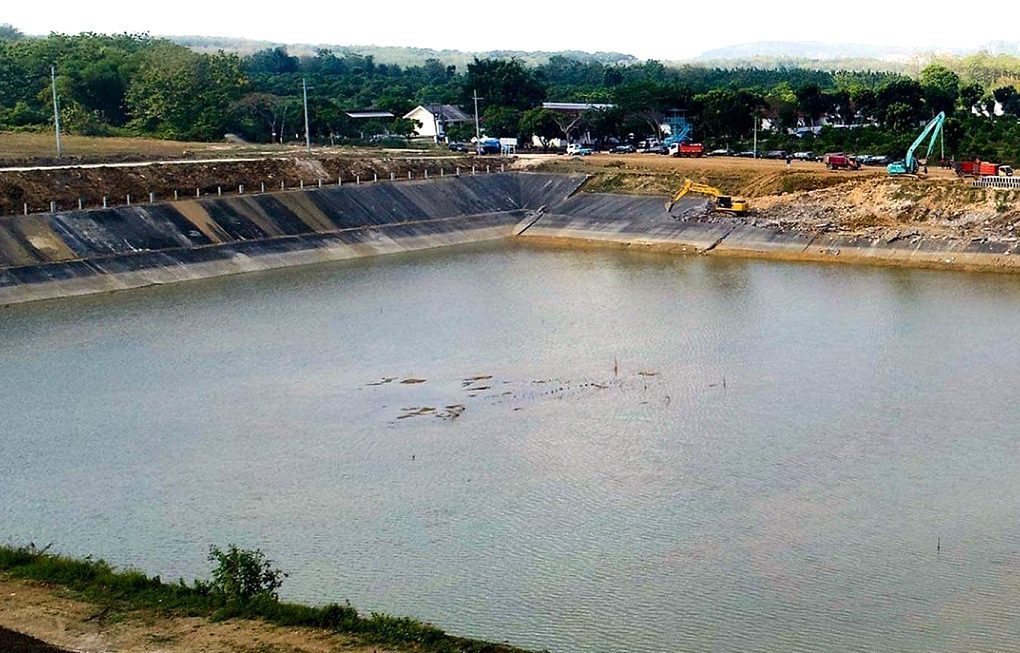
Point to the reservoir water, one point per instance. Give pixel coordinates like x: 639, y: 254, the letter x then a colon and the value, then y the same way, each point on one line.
x: 579, y: 451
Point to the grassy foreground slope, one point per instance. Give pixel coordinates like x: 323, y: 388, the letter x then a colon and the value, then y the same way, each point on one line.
x: 125, y: 594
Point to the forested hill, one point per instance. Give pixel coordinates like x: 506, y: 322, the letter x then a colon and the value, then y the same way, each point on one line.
x: 395, y: 55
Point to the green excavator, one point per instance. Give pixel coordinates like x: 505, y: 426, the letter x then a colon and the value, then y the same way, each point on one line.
x: 909, y: 165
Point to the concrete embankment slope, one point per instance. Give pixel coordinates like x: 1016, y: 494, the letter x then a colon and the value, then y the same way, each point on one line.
x: 80, y: 252
x: 600, y: 219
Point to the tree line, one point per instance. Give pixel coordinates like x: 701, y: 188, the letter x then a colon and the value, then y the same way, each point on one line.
x: 135, y: 84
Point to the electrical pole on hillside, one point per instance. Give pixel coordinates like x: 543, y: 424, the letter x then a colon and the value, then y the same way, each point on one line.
x: 478, y: 132
x: 56, y: 109
x: 308, y: 136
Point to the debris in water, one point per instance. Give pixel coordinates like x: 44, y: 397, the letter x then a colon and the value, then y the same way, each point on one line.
x: 417, y: 412
x: 647, y: 373
x: 383, y: 381
x: 413, y: 380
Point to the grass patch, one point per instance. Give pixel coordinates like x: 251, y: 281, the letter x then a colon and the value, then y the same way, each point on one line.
x: 126, y: 591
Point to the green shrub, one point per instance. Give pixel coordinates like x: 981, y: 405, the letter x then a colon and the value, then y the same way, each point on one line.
x: 244, y: 576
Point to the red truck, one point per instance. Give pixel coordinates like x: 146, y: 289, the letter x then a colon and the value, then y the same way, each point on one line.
x: 686, y: 149
x: 840, y: 161
x: 981, y: 169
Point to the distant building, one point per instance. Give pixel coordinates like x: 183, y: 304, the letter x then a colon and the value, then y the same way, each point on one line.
x: 433, y: 119
x: 369, y: 114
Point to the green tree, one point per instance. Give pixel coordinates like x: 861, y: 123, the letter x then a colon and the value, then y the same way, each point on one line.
x: 1008, y: 99
x: 970, y: 95
x: 501, y: 121
x: 180, y: 94
x: 540, y: 123
x: 504, y: 83
x: 941, y: 88
x: 9, y: 32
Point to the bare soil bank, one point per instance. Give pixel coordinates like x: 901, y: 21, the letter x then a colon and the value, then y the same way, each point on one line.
x: 50, y: 615
x: 66, y: 186
x: 807, y: 197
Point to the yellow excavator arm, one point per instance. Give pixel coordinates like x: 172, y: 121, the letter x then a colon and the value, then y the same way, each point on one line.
x: 735, y: 205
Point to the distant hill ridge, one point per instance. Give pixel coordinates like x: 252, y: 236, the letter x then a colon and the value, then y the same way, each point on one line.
x: 403, y: 56
x: 760, y: 54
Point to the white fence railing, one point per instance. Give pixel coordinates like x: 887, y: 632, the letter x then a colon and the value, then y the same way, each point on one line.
x: 998, y: 182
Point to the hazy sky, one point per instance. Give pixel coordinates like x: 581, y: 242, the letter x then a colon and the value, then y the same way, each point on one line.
x: 667, y: 30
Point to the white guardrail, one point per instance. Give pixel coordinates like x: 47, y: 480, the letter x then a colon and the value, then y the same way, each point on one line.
x: 998, y: 182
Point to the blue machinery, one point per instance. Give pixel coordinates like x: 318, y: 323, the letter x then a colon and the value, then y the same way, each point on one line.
x: 909, y: 165
x: 679, y: 128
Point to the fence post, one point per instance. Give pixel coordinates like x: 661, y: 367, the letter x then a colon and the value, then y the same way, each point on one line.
x: 375, y: 176
x: 219, y: 190
x: 339, y: 180
x: 502, y: 167
x: 282, y: 187
x: 81, y: 204
x: 357, y: 180
x: 320, y: 182
x: 301, y: 184
x: 458, y: 171
x: 487, y: 169
x: 26, y: 208
x: 426, y: 173
x: 129, y: 199
x: 175, y: 195
x: 152, y: 198
x: 198, y: 192
x: 472, y: 170
x: 442, y: 172
x: 53, y: 206
x: 240, y: 189
x: 393, y: 176
x: 409, y: 174
x: 263, y: 187
x: 104, y: 202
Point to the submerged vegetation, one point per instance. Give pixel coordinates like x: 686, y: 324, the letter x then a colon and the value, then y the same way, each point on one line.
x: 244, y: 586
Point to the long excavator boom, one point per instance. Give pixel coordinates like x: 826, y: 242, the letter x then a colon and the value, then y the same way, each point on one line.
x: 909, y: 164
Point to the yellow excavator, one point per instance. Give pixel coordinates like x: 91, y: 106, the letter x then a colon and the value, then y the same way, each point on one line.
x: 723, y: 203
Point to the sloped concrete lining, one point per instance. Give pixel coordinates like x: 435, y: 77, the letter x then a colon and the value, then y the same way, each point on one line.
x: 80, y: 252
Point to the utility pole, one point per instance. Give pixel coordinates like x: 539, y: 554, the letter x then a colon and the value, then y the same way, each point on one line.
x: 56, y: 109
x: 478, y: 132
x: 756, y: 137
x: 308, y: 136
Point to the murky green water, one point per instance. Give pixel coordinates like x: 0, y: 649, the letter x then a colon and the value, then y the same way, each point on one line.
x: 768, y: 467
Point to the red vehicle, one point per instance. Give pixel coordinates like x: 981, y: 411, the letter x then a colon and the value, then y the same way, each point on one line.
x: 686, y: 149
x: 981, y: 169
x: 840, y: 161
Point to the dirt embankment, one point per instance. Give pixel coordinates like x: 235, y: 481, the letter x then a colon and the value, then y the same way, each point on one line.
x: 806, y: 196
x: 66, y: 186
x: 48, y: 614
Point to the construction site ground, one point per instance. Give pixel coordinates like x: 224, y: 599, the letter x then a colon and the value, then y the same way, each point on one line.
x: 807, y: 196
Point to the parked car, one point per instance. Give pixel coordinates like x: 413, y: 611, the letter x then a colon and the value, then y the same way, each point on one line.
x: 458, y: 147
x: 775, y: 154
x: 576, y: 149
x: 655, y: 149
x: 875, y: 160
x: 623, y: 149
x: 805, y: 156
x: 747, y: 154
x: 722, y: 152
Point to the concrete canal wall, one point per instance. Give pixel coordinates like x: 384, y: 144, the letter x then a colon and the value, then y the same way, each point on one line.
x: 79, y: 252
x: 45, y: 256
x: 598, y: 219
